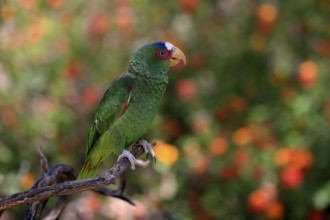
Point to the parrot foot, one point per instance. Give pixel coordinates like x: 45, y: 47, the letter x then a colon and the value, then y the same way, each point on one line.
x: 132, y: 160
x: 147, y: 148
x: 142, y: 164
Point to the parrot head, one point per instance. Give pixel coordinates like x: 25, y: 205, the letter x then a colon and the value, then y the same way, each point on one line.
x: 158, y: 56
x: 166, y: 51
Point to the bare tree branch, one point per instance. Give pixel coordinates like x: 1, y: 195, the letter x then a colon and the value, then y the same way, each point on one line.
x: 55, y: 175
x: 70, y: 187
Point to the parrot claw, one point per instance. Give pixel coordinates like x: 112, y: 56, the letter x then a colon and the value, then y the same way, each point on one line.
x: 147, y: 148
x: 132, y: 160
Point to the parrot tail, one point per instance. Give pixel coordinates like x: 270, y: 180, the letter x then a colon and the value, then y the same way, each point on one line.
x: 88, y: 171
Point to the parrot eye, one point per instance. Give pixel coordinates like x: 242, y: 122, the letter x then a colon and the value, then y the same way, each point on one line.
x: 163, y: 53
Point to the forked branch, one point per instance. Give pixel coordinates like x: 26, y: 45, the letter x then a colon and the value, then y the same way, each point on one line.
x: 65, y: 188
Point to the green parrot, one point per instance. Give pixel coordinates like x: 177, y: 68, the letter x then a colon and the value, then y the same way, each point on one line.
x: 129, y: 105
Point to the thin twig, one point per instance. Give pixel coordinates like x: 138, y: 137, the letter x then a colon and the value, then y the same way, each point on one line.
x: 43, y: 162
x: 57, y: 210
x: 117, y: 193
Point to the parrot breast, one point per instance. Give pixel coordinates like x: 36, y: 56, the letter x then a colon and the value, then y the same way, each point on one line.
x: 141, y: 109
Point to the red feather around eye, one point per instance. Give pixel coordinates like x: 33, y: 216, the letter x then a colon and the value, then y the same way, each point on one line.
x: 164, y: 54
x: 127, y: 101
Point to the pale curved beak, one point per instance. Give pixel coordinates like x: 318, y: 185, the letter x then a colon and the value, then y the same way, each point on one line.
x: 177, y: 56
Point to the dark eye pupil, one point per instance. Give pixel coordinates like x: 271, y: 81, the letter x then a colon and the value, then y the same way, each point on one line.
x: 162, y: 53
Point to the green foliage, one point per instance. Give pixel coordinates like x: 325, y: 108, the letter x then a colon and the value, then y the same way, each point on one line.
x: 249, y: 115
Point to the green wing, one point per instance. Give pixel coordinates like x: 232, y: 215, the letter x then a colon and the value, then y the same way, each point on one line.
x: 110, y: 107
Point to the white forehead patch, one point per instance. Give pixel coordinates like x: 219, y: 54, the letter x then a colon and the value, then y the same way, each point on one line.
x: 168, y: 46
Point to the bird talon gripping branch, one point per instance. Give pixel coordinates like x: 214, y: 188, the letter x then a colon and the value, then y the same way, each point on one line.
x: 129, y: 105
x: 130, y: 157
x: 148, y: 148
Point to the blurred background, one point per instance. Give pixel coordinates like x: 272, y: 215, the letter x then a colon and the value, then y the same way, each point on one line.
x: 244, y: 128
